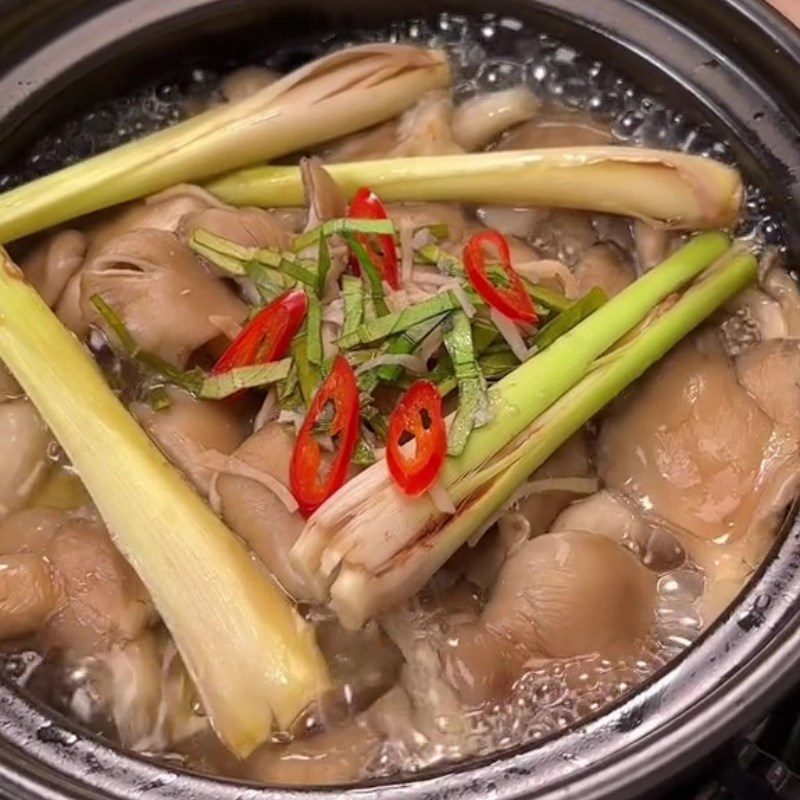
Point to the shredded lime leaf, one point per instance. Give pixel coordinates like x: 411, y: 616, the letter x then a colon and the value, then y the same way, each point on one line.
x: 353, y: 296
x: 217, y: 387
x: 382, y: 327
x: 191, y: 380
x: 371, y: 271
x: 473, y: 401
x: 323, y: 266
x: 342, y: 227
x: 570, y: 317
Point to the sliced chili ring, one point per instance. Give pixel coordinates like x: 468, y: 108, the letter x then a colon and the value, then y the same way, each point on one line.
x: 268, y: 335
x: 380, y: 247
x: 309, y: 479
x: 502, y: 288
x: 418, y: 414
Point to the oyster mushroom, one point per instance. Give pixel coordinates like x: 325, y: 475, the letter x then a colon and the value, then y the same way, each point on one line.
x: 53, y: 262
x: 482, y: 118
x: 249, y: 227
x: 82, y: 596
x: 690, y: 444
x: 166, y: 299
x: 188, y: 428
x: 25, y: 441
x: 603, y: 265
x: 255, y: 512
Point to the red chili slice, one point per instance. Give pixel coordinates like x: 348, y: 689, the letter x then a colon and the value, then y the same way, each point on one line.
x: 312, y: 485
x: 504, y: 291
x: 380, y: 247
x: 268, y: 335
x: 419, y: 413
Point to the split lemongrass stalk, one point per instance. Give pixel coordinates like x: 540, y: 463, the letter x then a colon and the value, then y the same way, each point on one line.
x: 359, y: 594
x: 370, y: 522
x: 333, y: 96
x: 253, y: 659
x: 666, y: 189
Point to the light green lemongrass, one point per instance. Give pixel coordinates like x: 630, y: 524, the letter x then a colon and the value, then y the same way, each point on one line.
x: 358, y: 594
x: 663, y: 188
x: 253, y: 660
x: 339, y: 94
x: 336, y: 532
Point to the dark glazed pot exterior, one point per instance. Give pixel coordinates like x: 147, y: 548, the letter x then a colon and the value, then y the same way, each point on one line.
x: 734, y: 63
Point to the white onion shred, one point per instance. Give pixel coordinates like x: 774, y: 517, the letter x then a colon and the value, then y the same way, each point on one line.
x: 268, y: 410
x: 410, y: 362
x: 510, y: 332
x: 430, y: 344
x: 510, y: 221
x: 330, y: 335
x: 214, y: 498
x: 463, y: 298
x: 293, y: 418
x: 230, y: 465
x: 550, y: 269
x: 441, y: 499
x: 334, y: 311
x: 430, y: 277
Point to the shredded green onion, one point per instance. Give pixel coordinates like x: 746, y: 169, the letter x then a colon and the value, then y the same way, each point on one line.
x: 232, y: 257
x: 299, y: 273
x: 473, y: 401
x: 498, y: 363
x: 483, y: 334
x: 269, y: 283
x: 541, y: 295
x: 438, y: 230
x: 404, y: 344
x: 217, y: 387
x: 442, y: 260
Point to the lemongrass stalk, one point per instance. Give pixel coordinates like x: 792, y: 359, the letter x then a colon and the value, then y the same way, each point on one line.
x: 333, y: 96
x: 253, y: 659
x: 372, y: 503
x: 665, y: 189
x: 358, y: 594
